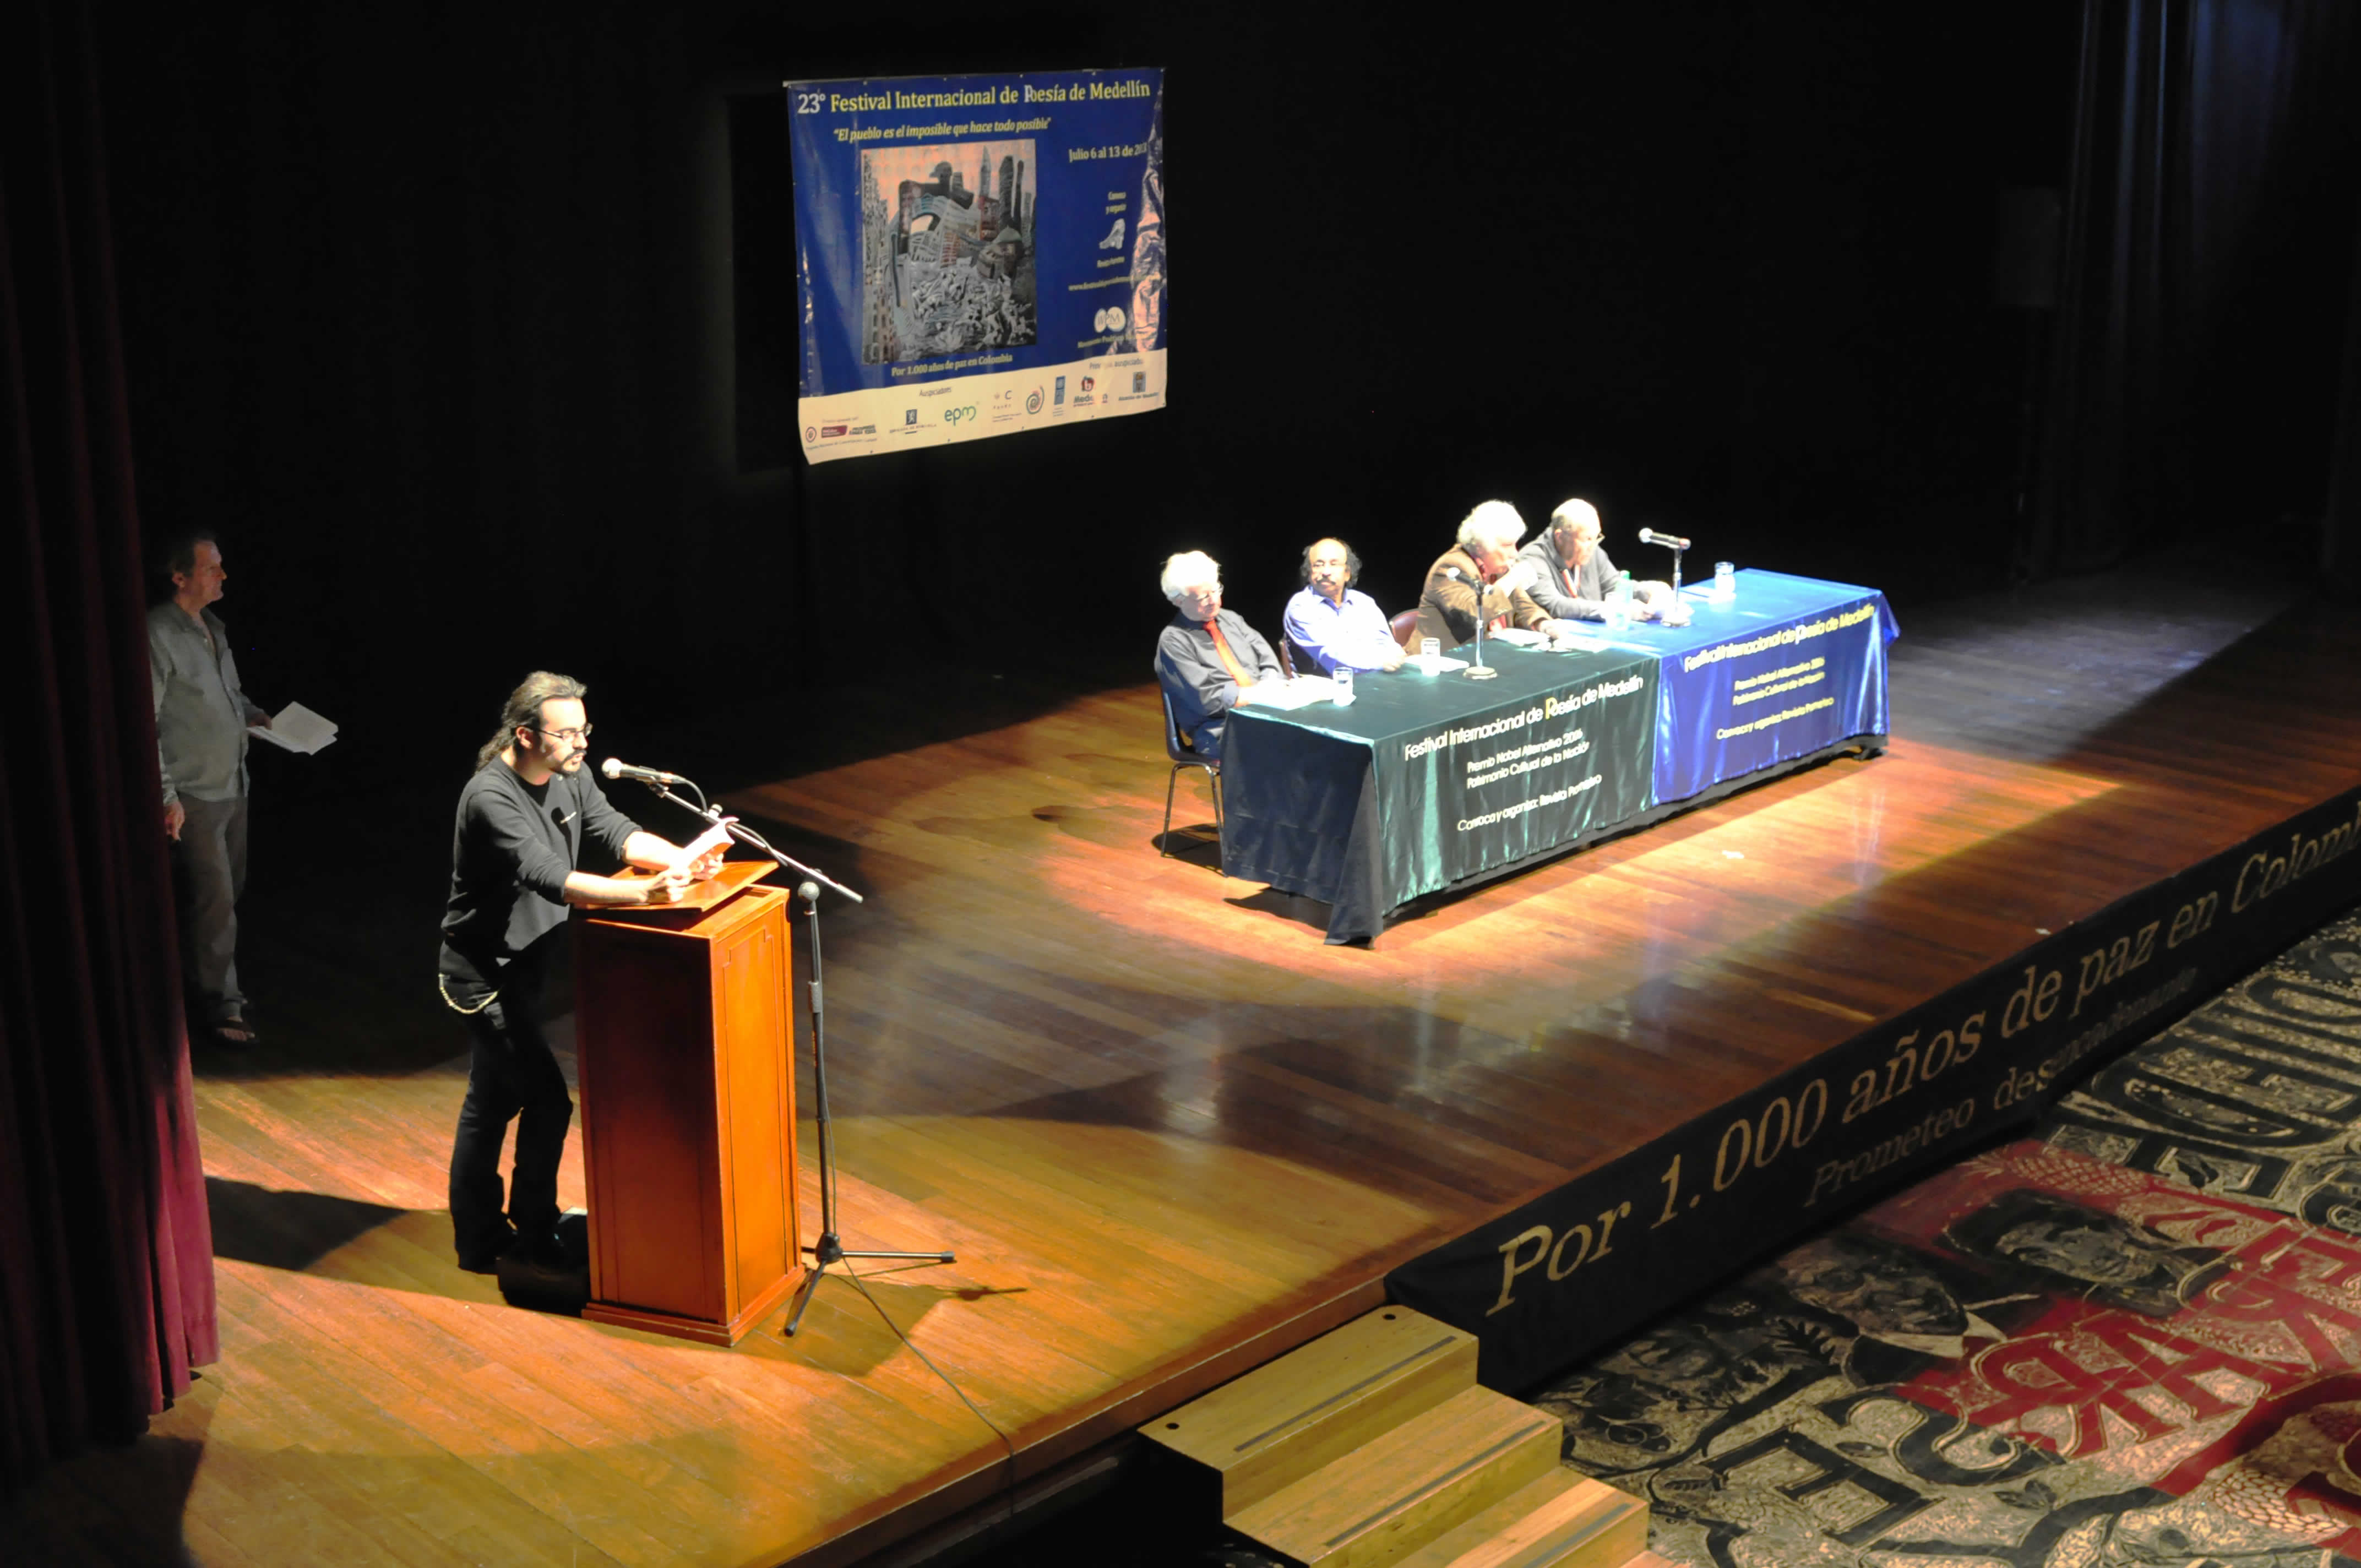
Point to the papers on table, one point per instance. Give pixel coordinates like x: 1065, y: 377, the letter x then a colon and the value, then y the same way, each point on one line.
x: 1516, y: 637
x: 1301, y: 692
x: 296, y: 729
x: 1439, y: 664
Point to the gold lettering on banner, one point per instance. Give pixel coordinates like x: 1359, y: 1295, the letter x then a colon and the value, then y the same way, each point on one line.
x: 2094, y: 986
x: 1516, y: 1260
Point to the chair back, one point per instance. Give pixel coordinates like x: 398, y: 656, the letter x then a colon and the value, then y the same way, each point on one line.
x: 1286, y: 655
x: 1180, y: 751
x: 1404, y: 627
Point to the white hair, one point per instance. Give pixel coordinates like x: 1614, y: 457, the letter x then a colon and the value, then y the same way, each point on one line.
x: 1493, y: 523
x: 1188, y: 569
x: 1572, y: 514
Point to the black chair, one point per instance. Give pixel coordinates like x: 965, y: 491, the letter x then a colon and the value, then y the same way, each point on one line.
x: 1183, y: 755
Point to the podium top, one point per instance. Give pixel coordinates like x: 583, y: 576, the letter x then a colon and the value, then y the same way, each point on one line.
x: 700, y: 900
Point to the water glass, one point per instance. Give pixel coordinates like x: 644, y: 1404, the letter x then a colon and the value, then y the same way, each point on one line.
x: 1430, y: 647
x: 1725, y: 583
x: 1343, y: 677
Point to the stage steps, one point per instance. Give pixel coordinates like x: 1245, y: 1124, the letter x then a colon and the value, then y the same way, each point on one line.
x: 1374, y: 1445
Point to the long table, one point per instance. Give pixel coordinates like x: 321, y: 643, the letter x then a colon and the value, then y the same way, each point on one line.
x: 1426, y: 783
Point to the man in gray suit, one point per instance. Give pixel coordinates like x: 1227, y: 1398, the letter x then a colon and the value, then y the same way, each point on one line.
x: 1208, y: 660
x: 202, y: 715
x: 1574, y: 578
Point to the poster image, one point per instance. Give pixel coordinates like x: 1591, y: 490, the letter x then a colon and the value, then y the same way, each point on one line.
x: 976, y: 256
x: 945, y: 263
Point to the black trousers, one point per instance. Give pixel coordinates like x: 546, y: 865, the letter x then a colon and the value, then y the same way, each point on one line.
x: 512, y: 1076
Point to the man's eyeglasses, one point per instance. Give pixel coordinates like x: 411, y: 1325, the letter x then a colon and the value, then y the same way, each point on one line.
x: 576, y: 736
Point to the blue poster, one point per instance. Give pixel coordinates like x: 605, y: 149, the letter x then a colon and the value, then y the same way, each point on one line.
x: 976, y: 254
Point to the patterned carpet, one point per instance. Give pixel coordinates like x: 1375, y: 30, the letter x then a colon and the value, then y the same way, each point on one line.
x: 2133, y: 1338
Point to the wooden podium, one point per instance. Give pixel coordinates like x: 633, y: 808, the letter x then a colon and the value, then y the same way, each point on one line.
x: 685, y: 1041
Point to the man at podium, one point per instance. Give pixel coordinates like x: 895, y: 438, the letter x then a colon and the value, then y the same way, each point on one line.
x: 524, y: 818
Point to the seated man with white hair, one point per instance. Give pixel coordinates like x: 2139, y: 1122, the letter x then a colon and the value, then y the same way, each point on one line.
x: 1209, y: 659
x: 1573, y: 578
x: 1487, y: 552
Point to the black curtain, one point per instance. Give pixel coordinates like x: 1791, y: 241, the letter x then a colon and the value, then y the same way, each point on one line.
x: 106, y: 1288
x: 2209, y: 247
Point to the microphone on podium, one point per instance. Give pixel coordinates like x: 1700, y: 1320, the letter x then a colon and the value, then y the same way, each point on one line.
x: 616, y: 768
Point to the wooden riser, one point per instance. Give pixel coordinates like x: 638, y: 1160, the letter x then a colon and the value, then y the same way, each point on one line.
x: 1278, y: 1423
x: 1399, y: 1491
x: 1563, y: 1520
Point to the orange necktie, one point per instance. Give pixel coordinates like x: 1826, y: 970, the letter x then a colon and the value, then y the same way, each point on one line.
x: 1229, y: 660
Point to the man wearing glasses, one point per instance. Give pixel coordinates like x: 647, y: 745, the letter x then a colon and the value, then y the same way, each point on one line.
x: 524, y: 817
x: 1574, y: 578
x: 1208, y: 660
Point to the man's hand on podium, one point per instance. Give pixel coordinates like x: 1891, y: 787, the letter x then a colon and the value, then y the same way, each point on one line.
x: 666, y: 885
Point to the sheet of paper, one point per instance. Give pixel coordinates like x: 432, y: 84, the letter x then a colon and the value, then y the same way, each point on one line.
x: 714, y: 837
x: 1301, y: 692
x: 296, y: 729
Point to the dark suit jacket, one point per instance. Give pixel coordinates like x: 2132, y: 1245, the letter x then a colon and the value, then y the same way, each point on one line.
x: 1446, y: 610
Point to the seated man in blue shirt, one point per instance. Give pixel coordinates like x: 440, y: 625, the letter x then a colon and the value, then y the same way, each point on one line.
x: 1209, y: 659
x: 1336, y: 622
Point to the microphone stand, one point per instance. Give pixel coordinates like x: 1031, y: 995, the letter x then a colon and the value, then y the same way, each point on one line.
x: 1478, y: 671
x: 1655, y: 538
x: 828, y: 1249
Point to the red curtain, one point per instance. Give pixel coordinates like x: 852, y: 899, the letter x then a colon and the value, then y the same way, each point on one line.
x: 106, y: 1293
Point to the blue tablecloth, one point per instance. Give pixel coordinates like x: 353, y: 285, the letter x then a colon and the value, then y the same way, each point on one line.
x: 1787, y: 667
x: 1434, y: 782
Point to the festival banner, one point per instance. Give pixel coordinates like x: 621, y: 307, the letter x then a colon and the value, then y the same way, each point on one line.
x: 976, y: 254
x: 1788, y: 667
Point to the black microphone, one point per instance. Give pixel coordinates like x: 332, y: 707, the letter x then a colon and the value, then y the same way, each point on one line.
x: 616, y: 768
x: 1669, y: 540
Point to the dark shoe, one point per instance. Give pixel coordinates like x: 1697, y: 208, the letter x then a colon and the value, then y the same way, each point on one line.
x: 540, y: 1279
x: 486, y: 1259
x: 542, y: 1249
x: 233, y: 1034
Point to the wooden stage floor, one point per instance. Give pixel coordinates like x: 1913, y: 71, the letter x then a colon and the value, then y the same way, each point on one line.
x: 1169, y: 1131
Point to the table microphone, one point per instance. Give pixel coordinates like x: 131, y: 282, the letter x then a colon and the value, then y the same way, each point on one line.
x: 616, y: 768
x: 1478, y: 670
x: 1669, y: 540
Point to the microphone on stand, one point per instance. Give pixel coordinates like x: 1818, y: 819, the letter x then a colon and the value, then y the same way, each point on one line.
x: 1478, y: 670
x: 1672, y: 542
x: 616, y: 768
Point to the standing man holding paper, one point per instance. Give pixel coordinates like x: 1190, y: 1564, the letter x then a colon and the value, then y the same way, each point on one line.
x: 202, y: 715
x: 523, y: 819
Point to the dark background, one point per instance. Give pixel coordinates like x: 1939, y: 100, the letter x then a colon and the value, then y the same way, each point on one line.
x: 471, y: 329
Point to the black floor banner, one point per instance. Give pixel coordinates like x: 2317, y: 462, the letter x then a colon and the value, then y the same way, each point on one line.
x: 1580, y: 1268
